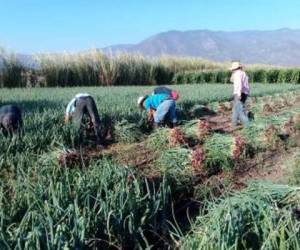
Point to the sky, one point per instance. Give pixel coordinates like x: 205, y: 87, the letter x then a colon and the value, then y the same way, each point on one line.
x: 30, y: 26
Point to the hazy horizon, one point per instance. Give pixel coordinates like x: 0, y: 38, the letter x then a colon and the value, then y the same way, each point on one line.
x: 56, y: 26
x: 11, y: 50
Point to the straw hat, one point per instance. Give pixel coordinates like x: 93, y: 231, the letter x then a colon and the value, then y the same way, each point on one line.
x: 141, y: 100
x: 235, y: 65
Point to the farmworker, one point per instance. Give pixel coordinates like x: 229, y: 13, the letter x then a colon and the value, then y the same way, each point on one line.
x: 165, y: 90
x: 160, y: 107
x: 10, y: 120
x: 241, y: 91
x: 81, y: 104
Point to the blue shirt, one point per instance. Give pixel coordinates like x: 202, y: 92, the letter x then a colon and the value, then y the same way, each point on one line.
x: 153, y: 101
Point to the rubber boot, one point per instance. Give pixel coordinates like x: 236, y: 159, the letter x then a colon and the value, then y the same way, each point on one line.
x: 250, y: 116
x: 171, y: 125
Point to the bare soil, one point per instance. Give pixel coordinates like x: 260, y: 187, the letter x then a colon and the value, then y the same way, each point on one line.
x: 272, y: 166
x: 135, y: 155
x: 267, y: 166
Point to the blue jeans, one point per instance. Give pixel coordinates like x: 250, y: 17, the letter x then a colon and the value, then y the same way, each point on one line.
x: 167, y: 109
x: 238, y: 113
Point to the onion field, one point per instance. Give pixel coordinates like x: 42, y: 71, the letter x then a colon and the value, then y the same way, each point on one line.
x: 191, y: 187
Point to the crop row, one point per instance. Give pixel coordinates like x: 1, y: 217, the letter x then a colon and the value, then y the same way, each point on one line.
x: 263, y: 216
x: 255, y: 75
x: 48, y: 202
x: 220, y: 151
x: 119, y: 103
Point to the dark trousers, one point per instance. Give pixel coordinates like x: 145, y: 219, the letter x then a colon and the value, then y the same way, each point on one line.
x: 87, y: 105
x: 162, y: 90
x: 244, y: 98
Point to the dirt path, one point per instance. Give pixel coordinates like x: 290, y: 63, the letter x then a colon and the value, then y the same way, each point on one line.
x: 275, y: 167
x: 220, y: 123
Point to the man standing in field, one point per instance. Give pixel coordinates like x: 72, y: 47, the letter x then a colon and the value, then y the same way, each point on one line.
x: 241, y: 91
x: 82, y: 104
x: 160, y: 107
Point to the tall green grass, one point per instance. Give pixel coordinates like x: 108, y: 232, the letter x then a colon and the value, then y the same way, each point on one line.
x: 11, y: 71
x: 262, y: 75
x: 94, y: 68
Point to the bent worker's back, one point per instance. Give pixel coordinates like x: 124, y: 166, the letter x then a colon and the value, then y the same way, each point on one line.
x: 9, y: 109
x: 82, y: 104
x: 10, y: 119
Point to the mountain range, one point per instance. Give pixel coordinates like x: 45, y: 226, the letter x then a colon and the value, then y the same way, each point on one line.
x: 276, y: 47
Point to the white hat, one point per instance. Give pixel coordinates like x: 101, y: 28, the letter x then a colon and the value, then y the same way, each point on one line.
x: 140, y: 100
x: 235, y: 65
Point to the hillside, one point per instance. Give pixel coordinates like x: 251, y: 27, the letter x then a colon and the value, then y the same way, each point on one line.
x: 279, y: 47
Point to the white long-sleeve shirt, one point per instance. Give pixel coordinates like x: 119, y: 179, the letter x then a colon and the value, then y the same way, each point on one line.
x: 71, y: 105
x: 240, y: 83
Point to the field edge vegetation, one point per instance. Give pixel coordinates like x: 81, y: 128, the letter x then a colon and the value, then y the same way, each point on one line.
x: 93, y: 68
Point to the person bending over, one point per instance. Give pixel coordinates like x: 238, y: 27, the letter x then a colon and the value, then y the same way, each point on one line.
x: 84, y: 104
x: 10, y: 120
x: 161, y: 108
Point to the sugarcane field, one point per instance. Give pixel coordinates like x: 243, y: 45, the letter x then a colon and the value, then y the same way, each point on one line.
x: 128, y: 125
